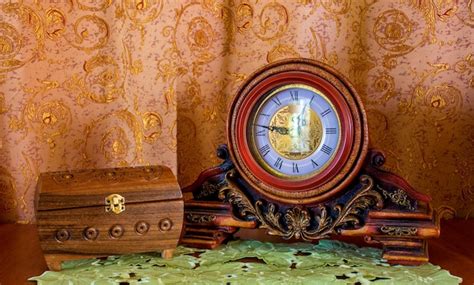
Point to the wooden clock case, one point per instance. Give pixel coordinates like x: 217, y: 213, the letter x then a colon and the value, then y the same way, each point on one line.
x: 353, y: 196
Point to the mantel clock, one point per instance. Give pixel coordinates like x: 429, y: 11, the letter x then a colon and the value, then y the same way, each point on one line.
x: 297, y: 163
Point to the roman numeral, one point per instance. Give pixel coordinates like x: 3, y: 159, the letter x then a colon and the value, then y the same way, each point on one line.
x: 295, y: 168
x: 326, y: 149
x: 278, y: 163
x: 310, y: 101
x: 294, y: 95
x: 276, y: 101
x: 330, y: 131
x: 265, y: 115
x: 261, y: 133
x: 325, y: 112
x: 314, y: 163
x: 264, y: 150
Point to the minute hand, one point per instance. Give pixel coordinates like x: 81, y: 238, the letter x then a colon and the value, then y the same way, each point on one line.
x: 280, y: 130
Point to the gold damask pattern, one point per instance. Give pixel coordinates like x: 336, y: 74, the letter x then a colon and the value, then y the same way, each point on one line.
x: 111, y: 83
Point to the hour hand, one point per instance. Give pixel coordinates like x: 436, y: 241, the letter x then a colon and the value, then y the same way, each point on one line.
x: 280, y: 130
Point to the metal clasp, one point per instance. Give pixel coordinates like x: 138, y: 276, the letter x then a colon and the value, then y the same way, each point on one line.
x: 114, y: 203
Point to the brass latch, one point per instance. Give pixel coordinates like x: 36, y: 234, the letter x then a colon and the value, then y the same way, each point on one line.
x: 114, y: 203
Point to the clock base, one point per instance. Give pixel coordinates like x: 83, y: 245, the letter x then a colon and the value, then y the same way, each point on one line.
x: 379, y: 205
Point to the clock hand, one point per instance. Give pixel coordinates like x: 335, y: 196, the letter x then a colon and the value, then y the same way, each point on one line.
x: 280, y: 130
x: 263, y: 126
x: 303, y: 110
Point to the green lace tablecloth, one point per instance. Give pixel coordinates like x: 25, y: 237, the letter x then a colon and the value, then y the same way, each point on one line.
x: 251, y: 262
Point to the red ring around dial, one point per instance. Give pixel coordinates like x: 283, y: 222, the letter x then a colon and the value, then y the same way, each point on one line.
x: 256, y: 95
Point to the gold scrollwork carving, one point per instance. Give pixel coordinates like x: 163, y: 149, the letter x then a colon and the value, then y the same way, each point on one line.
x: 296, y: 221
x: 114, y: 144
x: 142, y: 11
x: 384, y: 84
x: 53, y: 116
x: 392, y: 29
x: 281, y: 52
x: 10, y: 46
x: 119, y: 138
x: 55, y: 25
x: 466, y: 65
x: 209, y: 189
x: 443, y: 101
x: 466, y: 12
x: 26, y: 17
x: 398, y: 197
x: 102, y: 79
x: 193, y: 22
x: 152, y: 125
x: 445, y: 9
x: 395, y: 29
x: 202, y: 41
x: 200, y: 218
x: 336, y: 6
x: 193, y: 97
x: 440, y: 103
x: 90, y: 32
x: 200, y: 34
x: 273, y: 20
x: 10, y: 41
x: 399, y: 231
x: 47, y: 112
x: 243, y: 18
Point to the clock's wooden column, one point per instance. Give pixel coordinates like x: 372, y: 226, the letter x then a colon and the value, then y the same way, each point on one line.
x: 380, y: 205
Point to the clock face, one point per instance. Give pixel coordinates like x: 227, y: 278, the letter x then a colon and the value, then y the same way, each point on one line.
x: 297, y: 132
x: 294, y: 132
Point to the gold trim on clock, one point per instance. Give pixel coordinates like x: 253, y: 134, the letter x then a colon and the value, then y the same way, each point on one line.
x: 296, y: 143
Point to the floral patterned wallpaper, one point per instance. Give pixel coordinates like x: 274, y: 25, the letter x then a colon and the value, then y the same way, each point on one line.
x: 98, y: 83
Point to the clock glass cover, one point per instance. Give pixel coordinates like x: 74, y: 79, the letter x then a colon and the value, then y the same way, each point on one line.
x: 294, y: 131
x: 297, y: 132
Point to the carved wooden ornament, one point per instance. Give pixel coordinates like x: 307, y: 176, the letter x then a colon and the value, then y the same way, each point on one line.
x: 297, y: 163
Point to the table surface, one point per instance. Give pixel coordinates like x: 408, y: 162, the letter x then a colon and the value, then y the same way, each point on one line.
x: 21, y: 256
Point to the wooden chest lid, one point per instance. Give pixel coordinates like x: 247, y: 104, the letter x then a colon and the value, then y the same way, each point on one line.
x: 90, y: 187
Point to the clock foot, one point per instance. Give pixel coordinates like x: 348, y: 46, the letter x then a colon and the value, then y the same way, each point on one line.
x: 208, y: 224
x: 405, y: 252
x: 402, y: 235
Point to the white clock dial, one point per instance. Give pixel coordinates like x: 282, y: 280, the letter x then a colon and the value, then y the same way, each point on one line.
x: 295, y: 131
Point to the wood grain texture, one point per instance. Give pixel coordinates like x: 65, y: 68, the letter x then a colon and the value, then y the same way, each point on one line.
x: 77, y: 220
x: 89, y: 187
x: 73, y: 221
